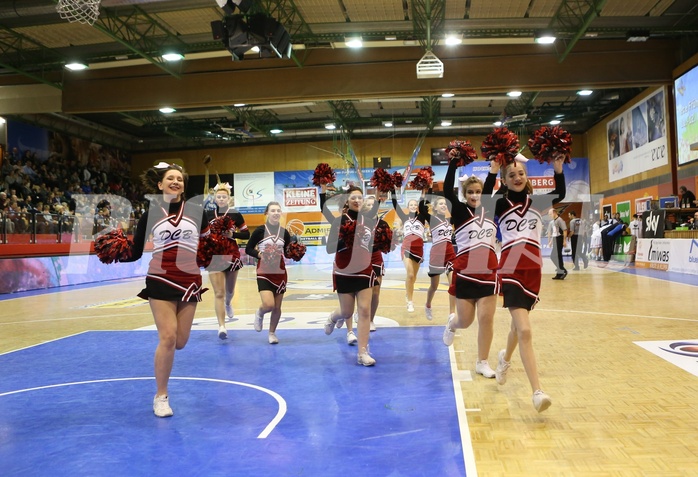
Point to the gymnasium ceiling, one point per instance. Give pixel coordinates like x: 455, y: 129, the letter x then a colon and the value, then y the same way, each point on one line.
x: 116, y: 100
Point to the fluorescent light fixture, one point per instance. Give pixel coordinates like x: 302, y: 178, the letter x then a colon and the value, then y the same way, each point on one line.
x: 330, y: 126
x: 276, y: 131
x: 2, y: 120
x: 390, y: 38
x: 254, y: 49
x: 353, y: 42
x: 637, y: 35
x: 172, y: 56
x: 448, y: 95
x: 167, y: 110
x: 76, y: 66
x: 514, y: 94
x: 555, y: 122
x: 452, y: 40
x: 497, y: 123
x: 545, y: 38
x: 387, y: 124
x: 239, y: 105
x: 584, y: 92
x: 446, y: 122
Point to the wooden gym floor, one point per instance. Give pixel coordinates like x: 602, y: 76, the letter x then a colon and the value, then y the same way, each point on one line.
x: 618, y: 409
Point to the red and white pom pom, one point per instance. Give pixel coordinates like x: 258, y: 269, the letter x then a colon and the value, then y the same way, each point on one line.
x: 220, y: 225
x: 462, y: 152
x: 347, y: 232
x: 501, y: 146
x: 323, y: 174
x: 295, y: 251
x: 424, y: 179
x: 209, y: 246
x: 113, y: 246
x: 383, y: 237
x: 382, y: 180
x: 547, y: 143
x: 397, y: 179
x: 272, y: 256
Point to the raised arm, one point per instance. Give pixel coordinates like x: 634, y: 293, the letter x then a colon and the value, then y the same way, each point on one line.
x: 403, y: 216
x: 139, y: 238
x: 560, y: 188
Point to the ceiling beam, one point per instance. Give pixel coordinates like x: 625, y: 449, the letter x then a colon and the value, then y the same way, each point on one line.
x: 575, y: 15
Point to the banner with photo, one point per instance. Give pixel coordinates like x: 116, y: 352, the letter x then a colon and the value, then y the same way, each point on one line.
x: 637, y: 138
x: 253, y: 191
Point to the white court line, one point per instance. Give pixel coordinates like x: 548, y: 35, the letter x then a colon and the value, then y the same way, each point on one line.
x: 629, y: 315
x: 262, y: 435
x: 468, y: 454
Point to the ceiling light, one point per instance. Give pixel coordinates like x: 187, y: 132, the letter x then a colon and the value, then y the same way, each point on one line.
x: 330, y: 126
x: 514, y: 94
x: 172, y: 56
x: 76, y: 66
x: 545, y: 38
x: 497, y: 123
x: 276, y: 131
x: 254, y: 49
x: 446, y: 122
x: 353, y: 42
x: 555, y: 122
x: 448, y: 95
x: 388, y: 124
x: 452, y: 40
x: 638, y: 35
x: 390, y: 38
x: 2, y: 120
x: 584, y: 92
x: 239, y: 105
x: 167, y: 110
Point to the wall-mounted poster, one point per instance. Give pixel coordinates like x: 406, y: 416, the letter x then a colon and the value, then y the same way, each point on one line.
x: 643, y: 204
x: 637, y: 138
x: 253, y: 191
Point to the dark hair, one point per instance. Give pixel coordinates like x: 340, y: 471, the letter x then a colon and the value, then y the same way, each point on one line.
x: 273, y: 202
x: 572, y: 212
x: 151, y: 177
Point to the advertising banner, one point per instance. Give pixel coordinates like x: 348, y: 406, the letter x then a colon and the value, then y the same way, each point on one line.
x: 306, y: 199
x: 253, y: 191
x: 653, y: 223
x: 653, y: 253
x: 637, y: 139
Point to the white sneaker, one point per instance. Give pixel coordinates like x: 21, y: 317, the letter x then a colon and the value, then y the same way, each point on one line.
x: 229, y: 311
x: 272, y: 338
x: 222, y: 333
x: 329, y: 325
x: 258, y: 321
x: 352, y: 339
x: 427, y: 311
x: 502, y: 367
x: 483, y: 367
x: 365, y: 359
x: 541, y: 401
x: 161, y: 406
x: 410, y: 307
x: 449, y: 333
x: 373, y: 326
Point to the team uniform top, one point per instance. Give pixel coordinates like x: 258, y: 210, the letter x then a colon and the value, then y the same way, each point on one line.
x: 442, y: 253
x: 239, y: 232
x: 520, y: 225
x: 476, y: 260
x: 413, y: 230
x: 264, y: 239
x: 173, y: 273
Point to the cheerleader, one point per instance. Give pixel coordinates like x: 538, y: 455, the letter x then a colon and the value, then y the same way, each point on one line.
x: 173, y: 283
x: 474, y: 283
x: 267, y: 244
x: 353, y: 276
x: 442, y: 254
x: 520, y: 226
x: 371, y: 207
x: 223, y: 270
x: 412, y: 242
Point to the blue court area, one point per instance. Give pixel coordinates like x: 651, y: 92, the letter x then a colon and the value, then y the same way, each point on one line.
x: 83, y: 406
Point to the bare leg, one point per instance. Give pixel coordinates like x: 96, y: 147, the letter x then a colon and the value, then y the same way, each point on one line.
x: 276, y: 312
x: 217, y: 280
x: 431, y: 291
x: 522, y: 324
x: 486, y: 307
x: 451, y: 298
x: 411, y: 267
x: 173, y: 321
x: 231, y: 279
x: 363, y: 300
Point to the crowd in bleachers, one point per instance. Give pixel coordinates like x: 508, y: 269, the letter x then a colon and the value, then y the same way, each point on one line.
x: 64, y: 191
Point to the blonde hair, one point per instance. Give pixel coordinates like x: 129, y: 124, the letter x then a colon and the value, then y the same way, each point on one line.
x: 529, y: 187
x: 470, y: 181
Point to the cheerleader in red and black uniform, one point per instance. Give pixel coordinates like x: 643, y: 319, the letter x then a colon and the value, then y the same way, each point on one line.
x: 268, y: 244
x: 173, y: 283
x: 223, y: 270
x: 353, y: 275
x: 413, y: 224
x: 474, y: 283
x: 520, y: 264
x: 381, y: 230
x: 442, y: 255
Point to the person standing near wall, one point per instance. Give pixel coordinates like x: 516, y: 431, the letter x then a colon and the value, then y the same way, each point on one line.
x: 556, y: 236
x: 575, y: 234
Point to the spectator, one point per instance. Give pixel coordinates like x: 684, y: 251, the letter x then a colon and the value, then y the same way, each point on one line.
x: 688, y: 198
